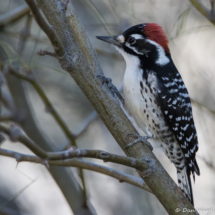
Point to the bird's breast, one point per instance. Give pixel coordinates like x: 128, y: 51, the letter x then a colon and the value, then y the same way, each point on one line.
x: 134, y: 102
x: 140, y: 102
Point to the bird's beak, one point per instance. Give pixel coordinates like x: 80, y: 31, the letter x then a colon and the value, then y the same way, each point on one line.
x: 112, y: 40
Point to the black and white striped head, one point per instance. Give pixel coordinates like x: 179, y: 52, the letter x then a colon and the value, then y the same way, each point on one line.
x: 146, y: 41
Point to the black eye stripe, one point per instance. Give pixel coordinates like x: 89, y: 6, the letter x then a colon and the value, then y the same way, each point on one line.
x: 131, y: 40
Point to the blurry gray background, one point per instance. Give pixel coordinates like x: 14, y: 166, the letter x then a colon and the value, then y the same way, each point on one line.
x: 192, y: 45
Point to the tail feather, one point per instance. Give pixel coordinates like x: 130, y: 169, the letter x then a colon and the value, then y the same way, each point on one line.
x: 196, y: 167
x: 184, y: 183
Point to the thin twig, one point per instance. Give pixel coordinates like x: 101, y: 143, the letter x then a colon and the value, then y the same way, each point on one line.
x: 93, y: 116
x: 81, y: 175
x: 99, y: 154
x: 16, y: 134
x: 69, y: 186
x: 122, y: 177
x: 55, y: 115
x: 24, y: 34
x: 7, y: 118
x: 212, y: 6
x: 90, y: 119
x: 48, y: 104
x: 46, y: 27
x: 44, y: 52
x: 204, y: 11
x: 13, y: 15
x: 31, y: 37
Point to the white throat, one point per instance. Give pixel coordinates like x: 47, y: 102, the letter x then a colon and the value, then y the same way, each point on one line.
x: 132, y: 62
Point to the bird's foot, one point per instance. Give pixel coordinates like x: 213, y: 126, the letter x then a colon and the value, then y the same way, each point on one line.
x: 105, y: 80
x: 113, y: 89
x: 140, y: 138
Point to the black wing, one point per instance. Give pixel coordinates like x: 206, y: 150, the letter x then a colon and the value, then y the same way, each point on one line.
x: 175, y: 104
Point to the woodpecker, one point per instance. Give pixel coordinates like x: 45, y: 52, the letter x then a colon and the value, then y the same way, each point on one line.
x: 157, y: 98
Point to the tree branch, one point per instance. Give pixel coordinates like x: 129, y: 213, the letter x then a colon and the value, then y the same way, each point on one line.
x: 13, y: 15
x: 17, y: 135
x: 122, y: 177
x: 24, y: 34
x: 210, y: 15
x: 69, y: 186
x: 31, y: 37
x: 44, y: 52
x: 55, y: 115
x: 90, y: 119
x: 46, y: 27
x: 49, y: 107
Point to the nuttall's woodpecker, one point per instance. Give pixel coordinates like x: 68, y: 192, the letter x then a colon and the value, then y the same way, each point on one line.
x: 157, y: 99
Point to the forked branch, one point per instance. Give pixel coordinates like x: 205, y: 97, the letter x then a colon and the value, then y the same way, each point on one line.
x: 122, y: 177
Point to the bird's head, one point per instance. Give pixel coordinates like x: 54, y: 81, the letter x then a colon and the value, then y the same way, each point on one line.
x: 147, y: 42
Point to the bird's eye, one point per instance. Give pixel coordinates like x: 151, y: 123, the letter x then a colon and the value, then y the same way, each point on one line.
x: 131, y: 40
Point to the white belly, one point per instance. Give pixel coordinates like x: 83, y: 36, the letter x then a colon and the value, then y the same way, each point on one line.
x: 133, y: 98
x: 141, y: 105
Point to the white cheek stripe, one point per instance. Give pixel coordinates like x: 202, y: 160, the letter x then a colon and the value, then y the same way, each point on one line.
x: 133, y: 48
x: 162, y: 58
x: 137, y: 36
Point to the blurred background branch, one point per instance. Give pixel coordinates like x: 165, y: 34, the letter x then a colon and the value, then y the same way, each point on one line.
x: 75, y: 196
x: 13, y: 15
x: 208, y: 14
x: 30, y: 78
x: 69, y: 186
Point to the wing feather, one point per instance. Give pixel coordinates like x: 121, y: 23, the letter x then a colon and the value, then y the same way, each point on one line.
x: 175, y: 104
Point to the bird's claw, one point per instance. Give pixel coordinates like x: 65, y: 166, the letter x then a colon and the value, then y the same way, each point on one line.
x: 112, y: 88
x: 105, y: 80
x: 140, y: 138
